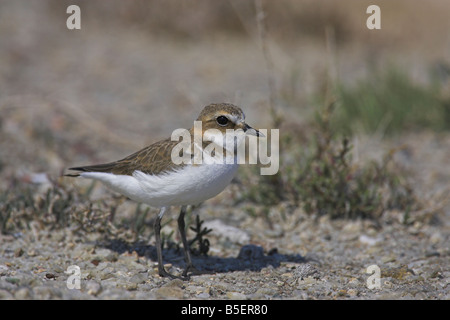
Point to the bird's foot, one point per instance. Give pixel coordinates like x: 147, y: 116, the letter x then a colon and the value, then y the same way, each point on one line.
x: 191, y: 268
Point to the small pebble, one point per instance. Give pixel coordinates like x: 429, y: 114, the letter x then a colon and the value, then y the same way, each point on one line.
x: 352, y: 292
x: 236, y: 296
x: 18, y: 252
x: 93, y: 287
x: 169, y: 293
x: 139, y: 278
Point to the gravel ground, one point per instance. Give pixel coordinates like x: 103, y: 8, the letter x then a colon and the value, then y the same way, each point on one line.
x: 318, y: 259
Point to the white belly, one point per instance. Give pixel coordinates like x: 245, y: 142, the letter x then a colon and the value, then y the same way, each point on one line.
x: 190, y: 185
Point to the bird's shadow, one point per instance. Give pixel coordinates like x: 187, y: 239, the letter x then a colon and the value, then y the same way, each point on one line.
x: 251, y: 257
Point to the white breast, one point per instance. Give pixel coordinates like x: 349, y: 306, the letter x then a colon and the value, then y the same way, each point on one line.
x: 189, y: 185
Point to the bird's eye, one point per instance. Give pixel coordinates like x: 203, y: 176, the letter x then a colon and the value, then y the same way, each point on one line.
x: 222, y: 120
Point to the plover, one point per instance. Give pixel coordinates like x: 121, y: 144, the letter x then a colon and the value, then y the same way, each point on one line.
x: 151, y: 175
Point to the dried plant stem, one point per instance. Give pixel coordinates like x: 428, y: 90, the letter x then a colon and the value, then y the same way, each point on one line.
x: 262, y: 33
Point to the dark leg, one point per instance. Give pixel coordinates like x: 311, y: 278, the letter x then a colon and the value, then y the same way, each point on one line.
x: 157, y: 227
x: 187, y: 253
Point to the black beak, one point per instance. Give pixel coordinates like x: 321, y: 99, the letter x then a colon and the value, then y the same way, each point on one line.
x: 253, y: 132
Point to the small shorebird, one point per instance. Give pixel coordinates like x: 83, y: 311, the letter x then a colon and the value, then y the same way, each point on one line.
x: 151, y: 175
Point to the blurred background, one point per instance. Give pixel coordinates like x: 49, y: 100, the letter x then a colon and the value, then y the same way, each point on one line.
x: 139, y: 69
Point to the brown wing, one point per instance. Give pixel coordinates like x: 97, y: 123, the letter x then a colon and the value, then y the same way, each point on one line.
x: 153, y: 159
